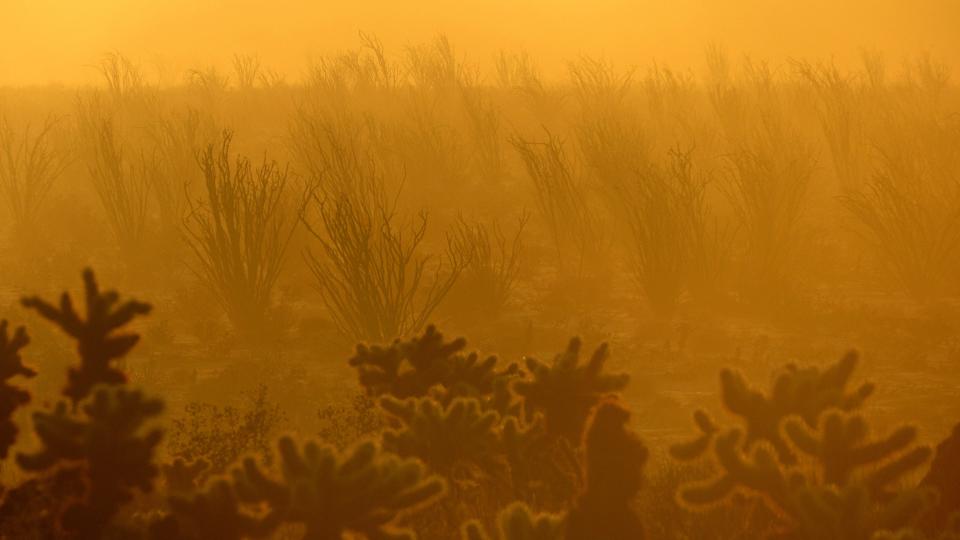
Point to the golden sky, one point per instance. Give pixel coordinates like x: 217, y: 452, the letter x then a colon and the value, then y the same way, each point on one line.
x: 44, y: 41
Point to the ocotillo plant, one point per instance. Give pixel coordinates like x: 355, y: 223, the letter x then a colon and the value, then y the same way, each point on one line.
x: 29, y: 166
x: 120, y: 177
x: 239, y: 234
x: 372, y: 275
x: 562, y: 199
x: 908, y: 207
x: 493, y: 263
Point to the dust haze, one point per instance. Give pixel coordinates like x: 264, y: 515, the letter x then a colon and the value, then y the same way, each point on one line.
x: 482, y: 270
x: 56, y: 41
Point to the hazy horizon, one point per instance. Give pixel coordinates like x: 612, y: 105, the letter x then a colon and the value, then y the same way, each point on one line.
x: 50, y: 41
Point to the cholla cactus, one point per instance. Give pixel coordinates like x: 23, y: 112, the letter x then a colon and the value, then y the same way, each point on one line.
x: 518, y: 522
x: 951, y: 531
x: 362, y: 491
x: 11, y: 397
x: 815, y: 510
x: 108, y: 445
x: 97, y: 342
x: 447, y: 438
x: 430, y: 365
x: 215, y: 513
x: 614, y: 461
x: 544, y: 469
x: 183, y: 477
x: 805, y: 392
x: 944, y: 476
x: 615, y: 458
x: 840, y: 449
x: 565, y: 392
x: 844, y: 488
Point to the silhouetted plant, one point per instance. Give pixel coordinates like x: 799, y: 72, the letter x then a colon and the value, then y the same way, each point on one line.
x: 944, y: 476
x: 239, y: 234
x: 371, y: 275
x: 658, y: 214
x: 98, y: 342
x: 562, y: 200
x: 518, y: 522
x: 805, y: 392
x: 840, y: 106
x: 767, y: 185
x: 29, y: 166
x: 565, y: 391
x: 176, y: 137
x: 183, y: 477
x: 613, y: 466
x: 345, y: 423
x: 909, y: 208
x: 428, y: 365
x: 545, y: 469
x: 848, y: 486
x: 220, y: 435
x: 11, y: 397
x: 485, y: 120
x: 122, y: 183
x: 493, y: 263
x: 29, y: 509
x: 355, y: 72
x: 123, y: 77
x: 361, y: 491
x: 108, y: 444
x: 519, y: 73
x: 449, y: 439
x: 246, y: 69
x: 435, y: 67
x: 614, y: 461
x: 214, y: 512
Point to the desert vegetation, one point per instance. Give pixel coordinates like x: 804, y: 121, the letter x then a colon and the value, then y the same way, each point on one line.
x: 612, y: 239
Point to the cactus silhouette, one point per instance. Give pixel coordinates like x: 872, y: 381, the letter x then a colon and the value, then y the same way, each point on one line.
x: 518, y: 522
x: 944, y: 476
x: 97, y: 342
x: 361, y: 491
x: 566, y: 391
x: 107, y: 444
x: 428, y: 365
x: 840, y: 449
x: 182, y: 477
x: 614, y: 461
x: 847, y: 486
x: 615, y: 458
x: 543, y: 468
x: 805, y: 392
x: 458, y: 436
x: 215, y: 513
x: 329, y: 494
x: 11, y: 397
